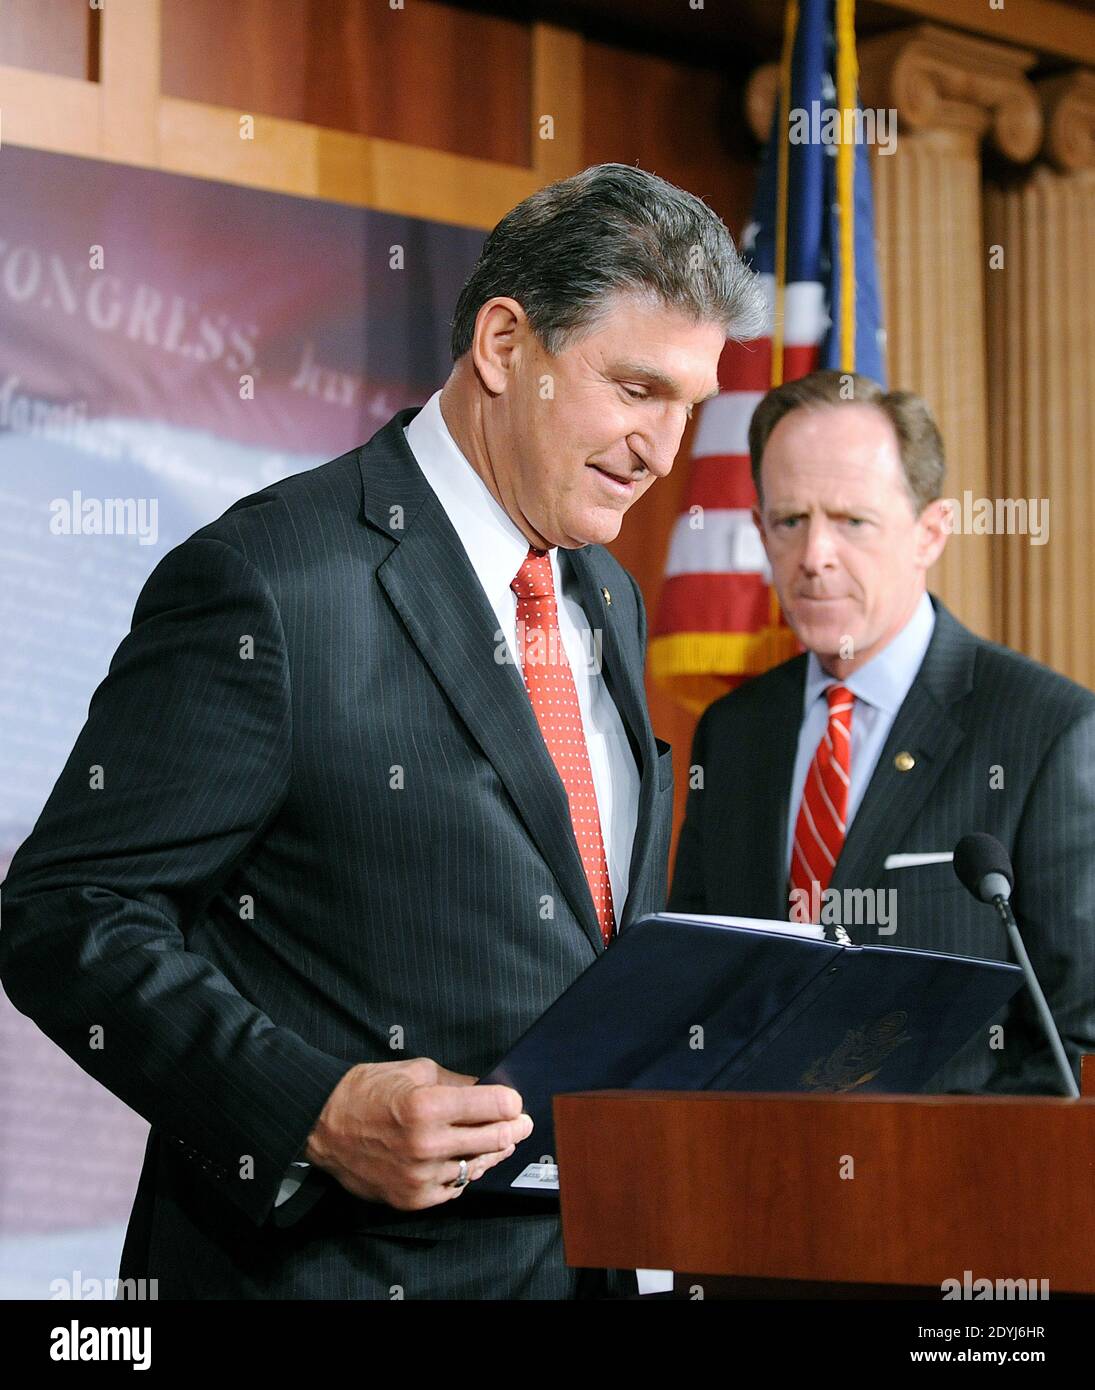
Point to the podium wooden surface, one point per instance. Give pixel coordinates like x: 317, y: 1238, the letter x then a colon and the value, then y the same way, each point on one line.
x: 860, y: 1191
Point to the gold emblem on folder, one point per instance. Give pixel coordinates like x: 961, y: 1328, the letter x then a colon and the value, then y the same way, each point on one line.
x: 859, y: 1057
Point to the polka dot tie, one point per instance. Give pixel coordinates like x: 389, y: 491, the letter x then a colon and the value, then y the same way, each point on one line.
x: 551, y: 689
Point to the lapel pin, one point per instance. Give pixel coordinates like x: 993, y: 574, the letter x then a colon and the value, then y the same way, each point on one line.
x: 607, y: 598
x: 904, y: 762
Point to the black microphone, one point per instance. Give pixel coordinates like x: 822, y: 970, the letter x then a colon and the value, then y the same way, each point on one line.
x: 982, y: 864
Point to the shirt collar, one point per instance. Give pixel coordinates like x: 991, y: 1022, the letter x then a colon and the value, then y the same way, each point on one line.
x: 884, y: 681
x: 492, y: 540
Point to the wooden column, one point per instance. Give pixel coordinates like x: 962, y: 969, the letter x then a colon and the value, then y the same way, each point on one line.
x: 130, y: 81
x: 950, y: 92
x: 1041, y: 356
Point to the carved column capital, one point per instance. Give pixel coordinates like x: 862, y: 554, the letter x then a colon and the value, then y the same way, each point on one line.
x: 1068, y: 102
x: 760, y: 99
x: 938, y: 79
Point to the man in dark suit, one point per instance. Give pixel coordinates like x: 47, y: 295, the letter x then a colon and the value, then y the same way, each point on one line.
x: 332, y: 838
x: 840, y: 780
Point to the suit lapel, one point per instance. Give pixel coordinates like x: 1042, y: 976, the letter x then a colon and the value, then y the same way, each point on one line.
x: 624, y: 678
x: 927, y: 727
x: 769, y: 797
x: 432, y: 585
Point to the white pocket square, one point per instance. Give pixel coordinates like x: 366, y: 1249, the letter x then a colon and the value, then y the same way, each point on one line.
x: 912, y: 861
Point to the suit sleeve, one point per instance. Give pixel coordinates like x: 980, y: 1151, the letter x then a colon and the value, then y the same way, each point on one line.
x: 687, y: 893
x: 183, y: 761
x: 1054, y: 904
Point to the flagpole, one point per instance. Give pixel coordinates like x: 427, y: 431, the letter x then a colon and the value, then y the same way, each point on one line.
x: 847, y: 81
x: 790, y: 27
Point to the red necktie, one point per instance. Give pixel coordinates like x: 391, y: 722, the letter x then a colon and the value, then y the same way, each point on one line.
x: 823, y: 814
x: 554, y: 699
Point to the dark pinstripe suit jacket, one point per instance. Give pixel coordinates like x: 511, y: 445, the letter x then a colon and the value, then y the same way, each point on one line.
x: 974, y: 707
x: 328, y: 823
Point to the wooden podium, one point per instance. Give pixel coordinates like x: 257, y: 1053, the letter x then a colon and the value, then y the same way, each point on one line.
x: 823, y: 1195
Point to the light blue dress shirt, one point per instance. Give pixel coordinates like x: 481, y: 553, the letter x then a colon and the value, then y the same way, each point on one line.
x: 879, y: 687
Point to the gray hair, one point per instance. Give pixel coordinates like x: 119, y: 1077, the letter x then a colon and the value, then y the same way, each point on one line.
x: 565, y: 252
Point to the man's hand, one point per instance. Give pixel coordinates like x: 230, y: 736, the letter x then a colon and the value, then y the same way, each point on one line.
x: 395, y: 1132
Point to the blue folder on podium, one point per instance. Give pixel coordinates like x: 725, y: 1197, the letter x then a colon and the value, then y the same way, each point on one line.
x: 699, y: 1004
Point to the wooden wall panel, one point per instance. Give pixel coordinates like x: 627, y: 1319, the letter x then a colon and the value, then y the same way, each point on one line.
x: 57, y: 36
x: 686, y: 124
x: 360, y: 66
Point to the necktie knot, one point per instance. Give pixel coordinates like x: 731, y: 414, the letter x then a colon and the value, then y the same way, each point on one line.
x: 841, y: 701
x: 533, y: 579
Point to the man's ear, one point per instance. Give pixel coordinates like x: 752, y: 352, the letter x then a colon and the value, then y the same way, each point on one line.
x: 934, y: 525
x: 758, y: 522
x: 498, y: 327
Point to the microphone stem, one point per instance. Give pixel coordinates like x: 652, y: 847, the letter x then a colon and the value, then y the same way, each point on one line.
x: 1003, y: 908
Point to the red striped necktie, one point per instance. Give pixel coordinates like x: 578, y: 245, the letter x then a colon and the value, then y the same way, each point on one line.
x: 823, y: 814
x: 554, y: 697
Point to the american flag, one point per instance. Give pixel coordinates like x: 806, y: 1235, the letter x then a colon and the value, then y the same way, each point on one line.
x: 812, y: 242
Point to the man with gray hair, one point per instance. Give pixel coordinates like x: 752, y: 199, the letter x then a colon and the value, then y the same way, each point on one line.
x: 320, y: 890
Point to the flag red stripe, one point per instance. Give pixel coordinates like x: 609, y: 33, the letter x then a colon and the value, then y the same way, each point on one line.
x: 720, y: 480
x: 746, y: 366
x: 799, y: 360
x: 713, y: 603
